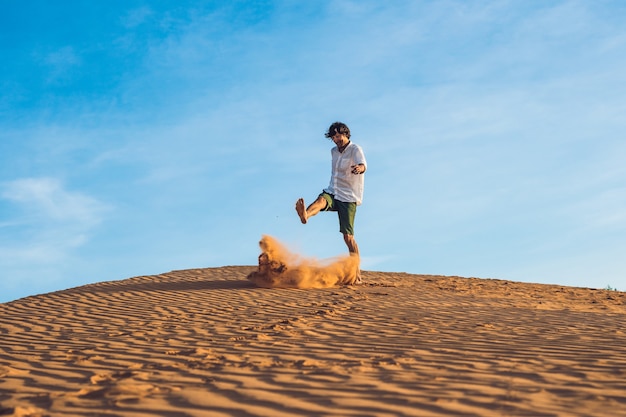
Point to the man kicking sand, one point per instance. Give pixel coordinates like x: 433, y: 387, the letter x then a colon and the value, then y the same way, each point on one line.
x: 345, y: 191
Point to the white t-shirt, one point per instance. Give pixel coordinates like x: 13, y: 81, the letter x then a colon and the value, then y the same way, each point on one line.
x: 344, y: 185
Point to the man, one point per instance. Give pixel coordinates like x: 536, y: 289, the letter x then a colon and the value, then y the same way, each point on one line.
x: 345, y: 191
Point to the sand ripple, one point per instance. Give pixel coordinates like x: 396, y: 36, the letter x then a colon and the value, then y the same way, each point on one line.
x: 207, y: 342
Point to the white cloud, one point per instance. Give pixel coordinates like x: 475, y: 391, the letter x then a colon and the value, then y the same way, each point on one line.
x: 60, y: 64
x: 136, y: 17
x: 47, y: 220
x: 49, y: 201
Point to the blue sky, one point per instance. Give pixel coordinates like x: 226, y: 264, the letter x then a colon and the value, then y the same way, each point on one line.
x: 139, y: 137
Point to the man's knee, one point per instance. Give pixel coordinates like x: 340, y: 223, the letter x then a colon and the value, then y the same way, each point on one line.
x: 321, y: 201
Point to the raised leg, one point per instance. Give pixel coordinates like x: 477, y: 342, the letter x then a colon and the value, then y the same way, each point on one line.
x: 315, y: 207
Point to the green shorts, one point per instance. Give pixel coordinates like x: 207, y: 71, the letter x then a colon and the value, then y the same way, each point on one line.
x: 346, y: 212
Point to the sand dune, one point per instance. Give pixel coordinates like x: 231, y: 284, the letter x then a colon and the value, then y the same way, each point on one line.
x: 207, y: 342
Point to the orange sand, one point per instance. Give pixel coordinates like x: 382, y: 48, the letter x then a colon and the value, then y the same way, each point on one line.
x: 208, y: 342
x: 279, y: 268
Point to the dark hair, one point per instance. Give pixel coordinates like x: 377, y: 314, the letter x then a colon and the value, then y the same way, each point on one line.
x: 338, y: 127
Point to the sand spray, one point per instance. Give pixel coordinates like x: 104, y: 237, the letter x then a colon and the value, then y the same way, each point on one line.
x: 280, y: 268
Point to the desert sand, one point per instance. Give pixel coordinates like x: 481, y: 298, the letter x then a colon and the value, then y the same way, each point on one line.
x: 208, y: 342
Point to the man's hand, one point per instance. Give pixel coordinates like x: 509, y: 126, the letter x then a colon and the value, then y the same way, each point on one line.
x: 358, y: 169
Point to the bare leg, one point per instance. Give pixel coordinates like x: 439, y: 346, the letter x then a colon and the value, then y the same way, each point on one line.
x: 354, y: 251
x: 351, y: 244
x: 310, y: 211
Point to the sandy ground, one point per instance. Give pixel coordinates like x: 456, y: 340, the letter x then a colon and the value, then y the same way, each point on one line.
x: 208, y: 342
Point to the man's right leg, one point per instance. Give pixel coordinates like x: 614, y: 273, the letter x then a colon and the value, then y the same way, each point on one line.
x: 347, y: 212
x: 315, y: 207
